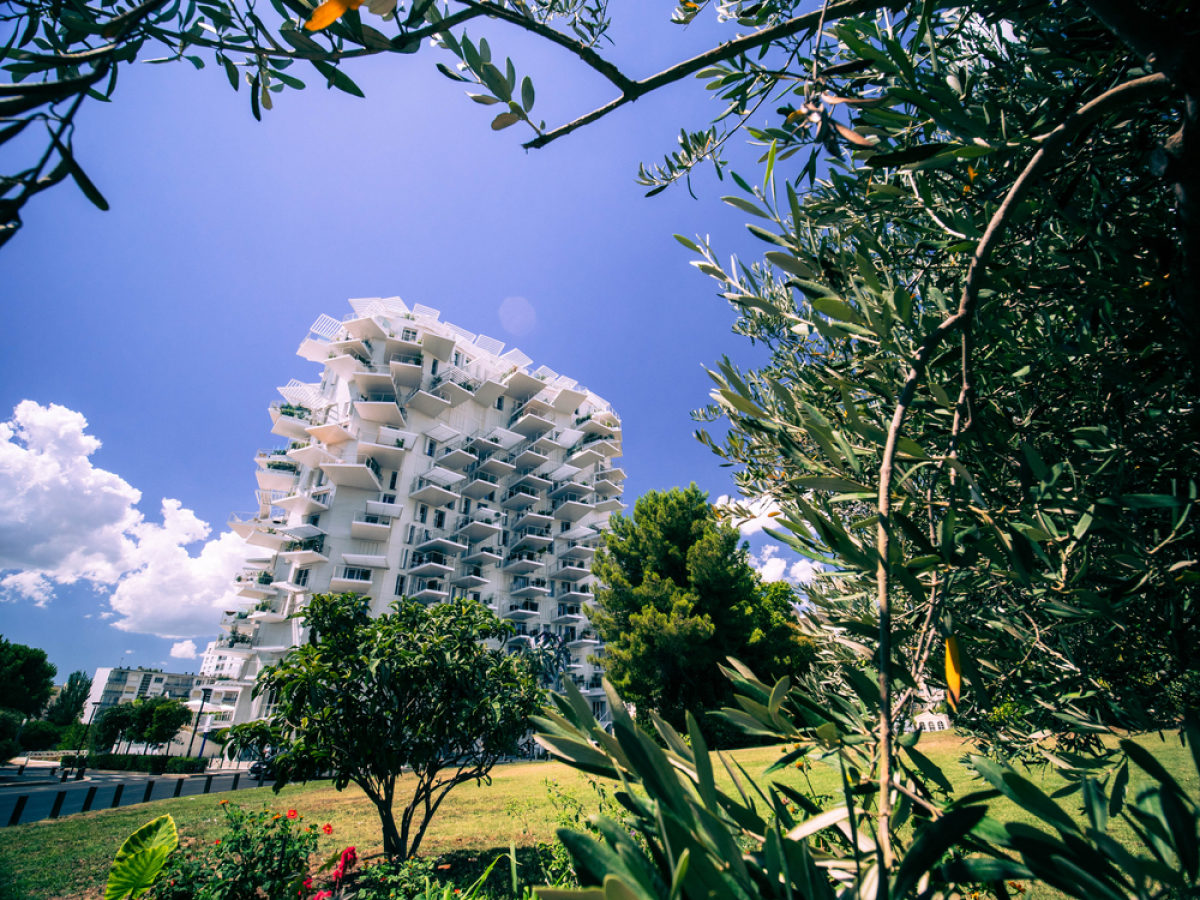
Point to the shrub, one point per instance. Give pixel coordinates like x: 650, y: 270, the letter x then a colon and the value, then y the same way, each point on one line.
x: 186, y: 765
x: 8, y: 749
x: 133, y: 762
x: 261, y: 855
x: 40, y: 735
x: 398, y: 879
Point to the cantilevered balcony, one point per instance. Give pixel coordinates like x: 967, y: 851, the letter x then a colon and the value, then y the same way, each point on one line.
x: 431, y: 403
x: 354, y: 579
x: 362, y: 473
x: 568, y: 614
x: 458, y: 388
x: 577, y: 533
x: 571, y: 569
x: 525, y: 588
x: 368, y: 559
x: 601, y: 421
x: 276, y: 472
x: 290, y: 420
x: 576, y: 593
x: 457, y: 457
x: 363, y: 328
x: 519, y: 498
x: 430, y: 591
x: 305, y: 503
x: 496, y: 438
x: 433, y: 488
x: 572, y: 506
x: 548, y: 443
x: 256, y: 586
x: 380, y: 408
x: 521, y: 612
x: 527, y: 458
x: 346, y: 365
x: 332, y: 431
x: 583, y: 640
x: 479, y: 525
x: 389, y: 447
x: 371, y: 527
x: 269, y: 612
x: 522, y: 562
x: 435, y: 540
x: 305, y: 551
x: 406, y: 370
x: 495, y: 465
x: 521, y: 385
x: 308, y: 452
x: 372, y: 379
x: 575, y: 550
x: 483, y: 555
x: 231, y: 620
x: 533, y: 518
x: 567, y: 486
x: 385, y: 505
x: 531, y: 539
x: 437, y: 345
x: 430, y: 565
x: 469, y: 577
x: 479, y: 485
x: 611, y: 505
x: 530, y: 478
x: 529, y: 423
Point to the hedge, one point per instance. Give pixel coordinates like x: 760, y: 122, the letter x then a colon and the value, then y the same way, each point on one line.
x: 133, y: 762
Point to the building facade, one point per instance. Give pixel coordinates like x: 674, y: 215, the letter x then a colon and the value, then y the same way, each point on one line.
x: 425, y: 463
x: 112, y: 686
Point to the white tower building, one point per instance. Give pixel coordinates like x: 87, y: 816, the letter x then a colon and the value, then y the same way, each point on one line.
x: 424, y: 463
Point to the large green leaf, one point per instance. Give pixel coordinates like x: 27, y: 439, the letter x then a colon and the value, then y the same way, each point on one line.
x: 140, y: 859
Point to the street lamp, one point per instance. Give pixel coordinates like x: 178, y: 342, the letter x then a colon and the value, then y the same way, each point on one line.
x: 79, y: 770
x: 205, y: 696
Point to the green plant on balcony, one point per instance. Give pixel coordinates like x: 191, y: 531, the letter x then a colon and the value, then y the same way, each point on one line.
x: 264, y: 578
x: 261, y: 606
x: 282, y: 466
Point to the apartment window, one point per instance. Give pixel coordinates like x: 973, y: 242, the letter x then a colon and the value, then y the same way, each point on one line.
x: 314, y: 519
x: 353, y: 574
x: 565, y: 526
x: 158, y: 681
x: 399, y: 585
x: 392, y: 483
x: 409, y: 334
x: 404, y: 559
x: 475, y: 596
x: 439, y: 519
x: 322, y: 498
x: 500, y: 403
x: 598, y: 710
x: 388, y: 498
x: 433, y: 367
x: 430, y: 447
x: 300, y: 577
x: 466, y: 507
x: 422, y: 513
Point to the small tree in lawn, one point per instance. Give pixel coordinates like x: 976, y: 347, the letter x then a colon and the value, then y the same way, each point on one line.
x: 417, y: 687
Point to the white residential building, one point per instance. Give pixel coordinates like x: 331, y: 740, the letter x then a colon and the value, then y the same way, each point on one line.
x: 114, y: 685
x: 424, y: 463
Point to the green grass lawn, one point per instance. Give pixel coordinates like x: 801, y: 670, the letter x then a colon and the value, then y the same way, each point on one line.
x: 69, y: 858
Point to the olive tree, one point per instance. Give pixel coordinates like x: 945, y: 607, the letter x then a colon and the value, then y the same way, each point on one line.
x: 418, y: 688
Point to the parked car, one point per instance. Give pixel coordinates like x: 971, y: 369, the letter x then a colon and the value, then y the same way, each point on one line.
x: 262, y: 770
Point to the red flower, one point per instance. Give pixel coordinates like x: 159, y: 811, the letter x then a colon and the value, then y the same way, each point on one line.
x: 216, y: 841
x: 327, y: 828
x: 349, y: 857
x: 292, y: 814
x: 322, y: 895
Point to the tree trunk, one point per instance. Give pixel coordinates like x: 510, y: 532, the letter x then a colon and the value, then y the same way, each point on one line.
x: 393, y: 846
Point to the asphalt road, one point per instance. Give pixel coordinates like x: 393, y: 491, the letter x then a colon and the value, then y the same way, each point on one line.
x: 41, y: 798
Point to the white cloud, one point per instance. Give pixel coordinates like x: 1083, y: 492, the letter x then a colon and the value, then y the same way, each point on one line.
x: 62, y: 520
x: 749, y: 516
x: 183, y: 650
x: 773, y: 567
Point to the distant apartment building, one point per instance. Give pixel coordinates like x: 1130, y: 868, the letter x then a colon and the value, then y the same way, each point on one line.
x: 425, y: 463
x: 112, y: 686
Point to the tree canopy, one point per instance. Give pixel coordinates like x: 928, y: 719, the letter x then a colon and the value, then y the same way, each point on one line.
x: 68, y: 704
x: 415, y: 688
x: 676, y: 597
x: 26, y: 678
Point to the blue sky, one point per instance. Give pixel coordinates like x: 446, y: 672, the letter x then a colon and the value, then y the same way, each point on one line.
x: 168, y: 322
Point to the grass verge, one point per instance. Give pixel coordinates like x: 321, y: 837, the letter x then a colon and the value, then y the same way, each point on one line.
x: 69, y: 858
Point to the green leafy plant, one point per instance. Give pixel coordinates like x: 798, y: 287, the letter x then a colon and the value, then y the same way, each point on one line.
x: 261, y: 854
x: 700, y: 843
x: 140, y: 859
x: 416, y: 688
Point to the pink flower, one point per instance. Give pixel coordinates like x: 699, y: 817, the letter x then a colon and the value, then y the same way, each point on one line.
x: 349, y: 857
x: 322, y: 895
